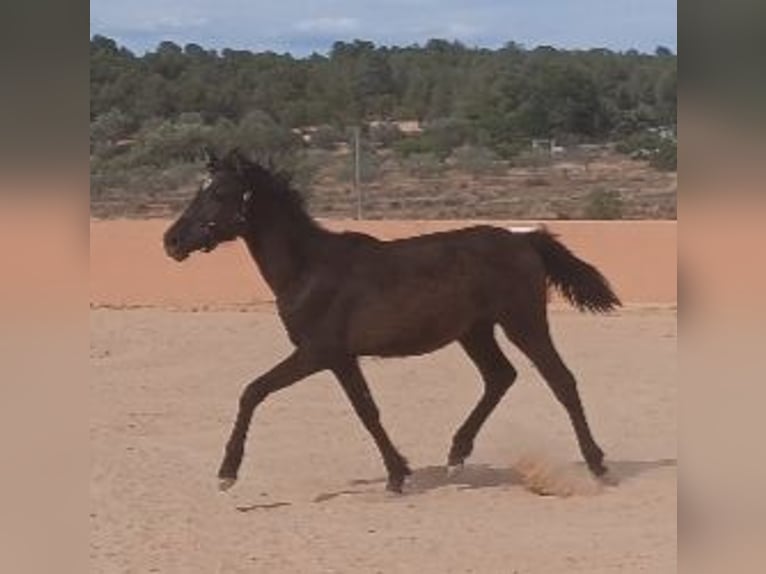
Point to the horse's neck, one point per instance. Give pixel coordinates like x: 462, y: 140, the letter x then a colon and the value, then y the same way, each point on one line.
x: 282, y: 246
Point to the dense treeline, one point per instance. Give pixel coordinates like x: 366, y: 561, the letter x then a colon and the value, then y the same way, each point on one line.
x: 152, y: 114
x: 501, y: 95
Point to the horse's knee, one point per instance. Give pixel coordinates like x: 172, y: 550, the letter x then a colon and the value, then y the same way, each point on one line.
x: 500, y: 379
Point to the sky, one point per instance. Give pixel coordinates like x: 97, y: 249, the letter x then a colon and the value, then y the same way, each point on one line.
x: 305, y: 26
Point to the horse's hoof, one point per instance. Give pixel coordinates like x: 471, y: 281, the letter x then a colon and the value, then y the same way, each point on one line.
x: 225, y: 484
x: 608, y: 479
x: 458, y: 453
x: 454, y: 470
x: 395, y: 485
x: 598, y: 469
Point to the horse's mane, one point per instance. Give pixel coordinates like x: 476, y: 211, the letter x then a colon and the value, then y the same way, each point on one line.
x: 269, y: 177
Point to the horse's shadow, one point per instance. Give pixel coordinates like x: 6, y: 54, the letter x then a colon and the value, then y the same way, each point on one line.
x: 480, y: 476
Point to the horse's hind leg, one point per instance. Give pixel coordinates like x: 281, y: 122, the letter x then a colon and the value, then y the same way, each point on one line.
x: 352, y: 380
x: 498, y: 375
x: 533, y: 338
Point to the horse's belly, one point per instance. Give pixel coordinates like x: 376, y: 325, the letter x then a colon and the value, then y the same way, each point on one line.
x: 408, y: 328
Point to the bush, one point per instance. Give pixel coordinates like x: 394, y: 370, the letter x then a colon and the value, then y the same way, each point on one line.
x: 258, y: 135
x: 665, y: 158
x: 637, y: 142
x: 413, y: 146
x: 424, y: 165
x: 660, y: 152
x: 108, y: 128
x: 439, y: 138
x: 532, y: 158
x: 602, y: 204
x: 306, y: 167
x: 328, y: 137
x: 447, y: 134
x: 161, y: 144
x: 369, y: 168
x: 385, y: 135
x: 477, y: 160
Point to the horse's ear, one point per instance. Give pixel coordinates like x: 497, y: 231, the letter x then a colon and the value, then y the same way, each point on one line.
x: 278, y: 171
x: 272, y: 164
x: 212, y: 158
x: 238, y: 161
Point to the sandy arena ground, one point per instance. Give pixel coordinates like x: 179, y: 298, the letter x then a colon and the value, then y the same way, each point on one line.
x: 311, y: 494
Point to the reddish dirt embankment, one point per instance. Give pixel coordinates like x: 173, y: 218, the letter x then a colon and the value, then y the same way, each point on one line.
x: 130, y: 268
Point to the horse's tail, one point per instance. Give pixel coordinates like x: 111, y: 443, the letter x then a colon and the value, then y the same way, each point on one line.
x: 579, y: 282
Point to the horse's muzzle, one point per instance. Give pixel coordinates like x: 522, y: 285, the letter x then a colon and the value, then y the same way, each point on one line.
x: 173, y: 248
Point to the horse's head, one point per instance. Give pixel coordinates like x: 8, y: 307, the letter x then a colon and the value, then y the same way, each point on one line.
x: 217, y: 212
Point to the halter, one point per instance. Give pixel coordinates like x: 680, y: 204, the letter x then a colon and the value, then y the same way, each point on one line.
x: 241, y: 217
x: 239, y: 220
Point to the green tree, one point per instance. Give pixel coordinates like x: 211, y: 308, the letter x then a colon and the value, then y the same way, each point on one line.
x: 260, y: 136
x: 108, y: 128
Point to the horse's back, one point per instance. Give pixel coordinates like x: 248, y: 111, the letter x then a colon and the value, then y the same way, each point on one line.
x: 414, y: 295
x: 472, y: 256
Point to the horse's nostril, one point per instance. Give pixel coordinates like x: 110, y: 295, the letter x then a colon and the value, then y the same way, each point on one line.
x: 173, y: 243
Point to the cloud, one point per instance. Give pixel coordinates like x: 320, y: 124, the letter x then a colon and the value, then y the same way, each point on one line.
x: 168, y: 23
x: 157, y: 18
x: 328, y: 25
x: 302, y: 27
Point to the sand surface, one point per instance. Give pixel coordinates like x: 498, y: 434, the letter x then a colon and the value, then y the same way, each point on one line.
x: 311, y: 494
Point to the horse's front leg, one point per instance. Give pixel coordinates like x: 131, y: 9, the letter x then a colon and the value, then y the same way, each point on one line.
x: 300, y: 364
x: 352, y: 380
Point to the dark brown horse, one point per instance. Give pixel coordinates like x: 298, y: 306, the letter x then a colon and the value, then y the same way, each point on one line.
x: 346, y: 295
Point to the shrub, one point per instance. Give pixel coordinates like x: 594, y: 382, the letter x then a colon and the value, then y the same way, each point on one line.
x: 602, y: 204
x: 328, y: 137
x: 660, y: 152
x: 307, y: 166
x: 532, y: 158
x: 477, y: 160
x: 637, y: 142
x: 369, y: 168
x: 423, y: 165
x: 260, y: 136
x: 412, y: 146
x: 107, y: 128
x: 384, y: 134
x: 665, y: 158
x: 439, y: 138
